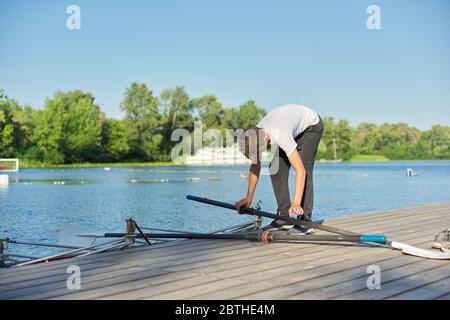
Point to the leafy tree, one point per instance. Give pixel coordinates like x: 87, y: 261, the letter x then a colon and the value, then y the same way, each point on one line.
x: 177, y: 108
x: 210, y: 111
x: 249, y: 114
x: 396, y: 141
x: 231, y: 118
x: 69, y: 129
x: 363, y: 138
x: 329, y: 134
x: 343, y: 134
x: 16, y: 126
x: 115, y: 142
x: 177, y: 114
x: 437, y: 142
x: 7, y: 129
x: 336, y: 135
x: 142, y: 120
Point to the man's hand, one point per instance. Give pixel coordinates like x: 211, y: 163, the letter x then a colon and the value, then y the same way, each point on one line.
x: 295, y: 209
x: 246, y: 202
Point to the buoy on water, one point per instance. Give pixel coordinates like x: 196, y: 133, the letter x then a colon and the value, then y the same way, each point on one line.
x: 410, y: 172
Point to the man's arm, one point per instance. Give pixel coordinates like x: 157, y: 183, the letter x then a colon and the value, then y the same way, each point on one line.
x: 253, y: 178
x: 300, y: 178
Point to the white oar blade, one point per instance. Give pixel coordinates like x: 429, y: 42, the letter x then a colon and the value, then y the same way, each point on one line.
x: 70, y: 235
x: 418, y: 252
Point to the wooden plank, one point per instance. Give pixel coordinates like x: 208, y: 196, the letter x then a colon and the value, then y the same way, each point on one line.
x: 111, y: 257
x: 344, y: 284
x: 87, y: 283
x: 194, y: 242
x: 286, y: 248
x: 255, y: 272
x: 378, y: 216
x: 118, y: 254
x: 197, y: 269
x: 288, y: 266
x: 245, y: 271
x: 102, y: 288
x: 131, y: 290
x: 177, y: 258
x: 434, y: 290
x: 427, y: 207
x: 58, y: 274
x: 402, y: 283
x: 176, y: 293
x: 301, y: 271
x: 277, y: 283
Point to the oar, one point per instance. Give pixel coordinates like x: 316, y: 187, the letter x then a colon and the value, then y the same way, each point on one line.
x: 69, y: 234
x: 255, y: 212
x: 419, y: 252
x: 405, y: 248
x: 259, y: 235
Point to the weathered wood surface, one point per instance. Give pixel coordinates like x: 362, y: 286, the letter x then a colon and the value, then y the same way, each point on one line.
x: 224, y: 269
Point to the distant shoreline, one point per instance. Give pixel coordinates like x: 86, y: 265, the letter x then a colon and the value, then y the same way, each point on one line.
x: 26, y: 165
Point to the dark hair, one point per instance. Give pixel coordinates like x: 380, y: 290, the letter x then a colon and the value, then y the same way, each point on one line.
x: 251, y: 136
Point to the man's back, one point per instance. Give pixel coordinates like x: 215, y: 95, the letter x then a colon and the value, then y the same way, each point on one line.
x: 286, y: 122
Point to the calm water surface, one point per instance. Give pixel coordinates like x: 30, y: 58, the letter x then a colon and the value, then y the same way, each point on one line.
x: 33, y: 207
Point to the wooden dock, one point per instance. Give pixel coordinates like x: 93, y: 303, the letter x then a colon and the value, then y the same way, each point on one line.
x: 235, y: 269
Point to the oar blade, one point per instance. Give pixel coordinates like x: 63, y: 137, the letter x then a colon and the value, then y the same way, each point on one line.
x: 419, y: 252
x: 74, y: 235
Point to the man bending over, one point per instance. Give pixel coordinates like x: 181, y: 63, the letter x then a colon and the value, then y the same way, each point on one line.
x: 297, y: 131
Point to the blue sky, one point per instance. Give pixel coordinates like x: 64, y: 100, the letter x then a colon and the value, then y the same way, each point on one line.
x: 317, y: 53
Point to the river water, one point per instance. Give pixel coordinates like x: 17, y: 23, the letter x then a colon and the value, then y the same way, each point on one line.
x: 39, y: 201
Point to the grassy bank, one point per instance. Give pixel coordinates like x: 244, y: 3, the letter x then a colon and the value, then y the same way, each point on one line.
x: 26, y: 164
x: 369, y: 158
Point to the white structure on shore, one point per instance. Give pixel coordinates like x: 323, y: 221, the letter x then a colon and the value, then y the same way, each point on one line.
x: 7, y: 166
x: 229, y: 155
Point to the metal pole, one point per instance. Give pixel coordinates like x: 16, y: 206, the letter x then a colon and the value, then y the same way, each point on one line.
x: 312, y: 237
x: 21, y: 256
x: 263, y: 236
x: 140, y: 232
x: 255, y: 236
x: 254, y: 212
x: 41, y: 244
x: 119, y: 245
x: 66, y: 253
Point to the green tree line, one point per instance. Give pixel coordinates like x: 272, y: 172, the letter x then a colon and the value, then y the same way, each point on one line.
x: 71, y: 128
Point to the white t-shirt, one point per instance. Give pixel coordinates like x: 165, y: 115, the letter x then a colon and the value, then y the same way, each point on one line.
x: 287, y: 122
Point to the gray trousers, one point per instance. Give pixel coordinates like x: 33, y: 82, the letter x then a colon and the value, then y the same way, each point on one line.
x: 307, y: 145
